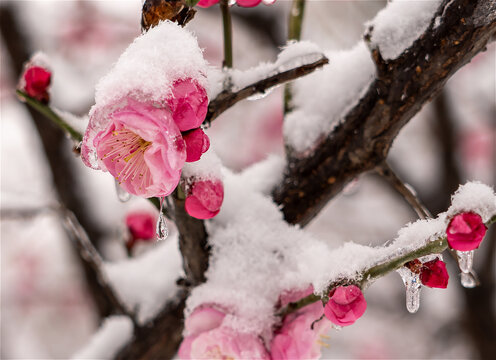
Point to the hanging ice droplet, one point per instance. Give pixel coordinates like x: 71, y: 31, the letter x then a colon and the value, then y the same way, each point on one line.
x: 337, y: 327
x: 122, y: 194
x: 413, y: 286
x: 262, y: 94
x: 468, y: 280
x: 162, y: 229
x: 465, y: 260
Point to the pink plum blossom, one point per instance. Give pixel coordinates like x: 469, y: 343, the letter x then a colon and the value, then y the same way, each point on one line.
x: 248, y: 3
x: 206, y: 338
x: 346, y: 304
x: 141, y: 146
x: 434, y: 274
x: 188, y: 104
x: 296, y: 339
x: 465, y: 231
x: 204, y: 198
x: 35, y: 82
x: 197, y: 143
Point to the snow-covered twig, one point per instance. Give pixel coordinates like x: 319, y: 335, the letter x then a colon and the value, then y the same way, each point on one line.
x: 228, y: 98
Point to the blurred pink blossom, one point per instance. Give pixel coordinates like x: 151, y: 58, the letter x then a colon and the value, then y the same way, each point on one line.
x: 205, y: 198
x: 141, y: 226
x: 206, y: 338
x: 296, y: 339
x: 465, y: 231
x: 346, y: 305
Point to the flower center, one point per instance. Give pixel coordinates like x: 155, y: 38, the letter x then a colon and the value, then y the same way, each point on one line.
x: 127, y: 146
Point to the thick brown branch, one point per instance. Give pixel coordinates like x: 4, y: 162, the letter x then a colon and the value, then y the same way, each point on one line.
x: 363, y: 139
x: 227, y: 98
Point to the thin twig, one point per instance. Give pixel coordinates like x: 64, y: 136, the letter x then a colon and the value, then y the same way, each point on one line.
x: 388, y: 174
x: 227, y: 98
x: 436, y: 246
x: 227, y: 31
x: 93, y: 259
x: 295, y: 22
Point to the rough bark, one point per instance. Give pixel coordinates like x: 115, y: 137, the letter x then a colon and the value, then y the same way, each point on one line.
x: 401, y: 88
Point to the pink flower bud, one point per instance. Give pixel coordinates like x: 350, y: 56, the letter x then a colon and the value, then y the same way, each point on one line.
x: 465, y: 231
x: 188, y: 104
x: 248, y: 3
x: 434, y: 274
x: 36, y: 83
x: 346, y: 304
x: 197, y: 142
x: 207, y: 3
x: 141, y: 225
x: 141, y: 147
x: 205, y: 199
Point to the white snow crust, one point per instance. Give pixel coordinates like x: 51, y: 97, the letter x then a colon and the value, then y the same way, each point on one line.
x: 114, y: 333
x: 476, y: 197
x: 151, y: 64
x: 320, y: 99
x: 145, y: 283
x: 399, y: 24
x: 256, y: 255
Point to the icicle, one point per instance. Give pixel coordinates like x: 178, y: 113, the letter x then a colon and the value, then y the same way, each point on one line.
x: 122, y: 194
x: 261, y: 95
x: 465, y: 260
x: 468, y: 280
x: 162, y: 230
x: 413, y: 285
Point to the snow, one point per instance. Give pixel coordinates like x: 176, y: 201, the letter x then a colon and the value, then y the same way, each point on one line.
x: 145, y: 283
x: 256, y: 255
x: 344, y: 80
x: 151, y: 64
x: 398, y: 25
x: 293, y: 55
x: 114, y: 333
x: 208, y: 167
x: 475, y: 197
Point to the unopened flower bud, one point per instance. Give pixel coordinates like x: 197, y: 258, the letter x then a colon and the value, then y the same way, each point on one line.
x: 204, y: 199
x: 346, y: 304
x: 465, y: 231
x: 35, y: 79
x: 434, y: 274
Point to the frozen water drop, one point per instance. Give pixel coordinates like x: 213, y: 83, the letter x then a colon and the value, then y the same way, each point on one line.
x: 465, y: 260
x: 261, y: 95
x: 468, y: 280
x: 231, y: 2
x: 162, y: 229
x: 413, y: 285
x: 337, y: 327
x: 122, y: 194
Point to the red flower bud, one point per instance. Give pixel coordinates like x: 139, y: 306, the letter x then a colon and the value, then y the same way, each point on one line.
x: 465, y: 231
x: 36, y: 82
x: 434, y: 274
x: 205, y: 199
x: 141, y: 225
x: 346, y: 304
x: 197, y: 142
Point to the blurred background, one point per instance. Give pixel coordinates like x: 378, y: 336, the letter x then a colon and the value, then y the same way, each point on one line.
x: 49, y: 308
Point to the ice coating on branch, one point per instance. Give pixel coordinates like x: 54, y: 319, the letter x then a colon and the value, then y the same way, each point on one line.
x: 146, y: 282
x: 152, y: 63
x: 320, y: 99
x: 473, y: 197
x: 399, y: 24
x: 114, y: 333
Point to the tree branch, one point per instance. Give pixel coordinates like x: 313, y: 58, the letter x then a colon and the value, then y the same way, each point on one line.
x: 388, y: 174
x: 228, y: 98
x: 362, y: 141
